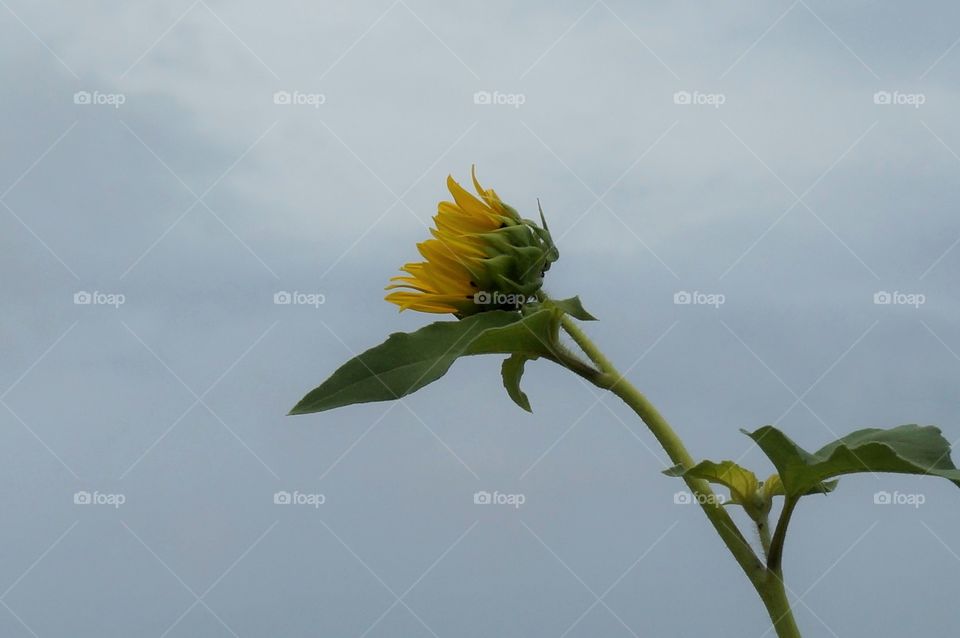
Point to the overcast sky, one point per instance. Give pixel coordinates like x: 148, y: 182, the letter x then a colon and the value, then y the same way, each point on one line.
x: 167, y: 168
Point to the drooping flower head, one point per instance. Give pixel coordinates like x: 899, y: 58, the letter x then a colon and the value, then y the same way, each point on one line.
x: 482, y: 256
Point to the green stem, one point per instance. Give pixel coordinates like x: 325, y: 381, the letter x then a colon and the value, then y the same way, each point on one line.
x: 775, y: 599
x: 768, y: 584
x: 775, y: 557
x: 588, y: 347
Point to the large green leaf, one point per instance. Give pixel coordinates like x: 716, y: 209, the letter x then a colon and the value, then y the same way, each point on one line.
x: 906, y: 449
x: 406, y: 362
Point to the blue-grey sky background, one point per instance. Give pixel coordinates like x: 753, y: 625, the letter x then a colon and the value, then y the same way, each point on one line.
x: 199, y: 198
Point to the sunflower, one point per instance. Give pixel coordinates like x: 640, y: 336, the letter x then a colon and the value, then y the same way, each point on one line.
x: 482, y: 256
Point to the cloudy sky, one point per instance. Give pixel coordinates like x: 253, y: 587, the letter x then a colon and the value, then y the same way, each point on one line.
x: 168, y: 168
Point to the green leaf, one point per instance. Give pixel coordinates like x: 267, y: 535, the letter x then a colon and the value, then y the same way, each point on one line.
x: 906, y: 449
x: 574, y: 308
x: 512, y: 371
x: 406, y: 362
x: 534, y: 334
x: 402, y: 364
x: 773, y: 486
x: 745, y: 489
x: 741, y: 482
x: 529, y: 338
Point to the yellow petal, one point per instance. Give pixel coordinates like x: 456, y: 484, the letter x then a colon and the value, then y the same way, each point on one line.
x: 466, y: 201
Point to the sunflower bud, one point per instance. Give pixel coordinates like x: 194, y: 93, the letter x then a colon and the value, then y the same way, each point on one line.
x: 482, y: 256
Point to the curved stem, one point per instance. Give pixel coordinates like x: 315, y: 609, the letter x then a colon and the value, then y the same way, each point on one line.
x: 588, y: 347
x: 671, y: 443
x: 775, y: 557
x: 610, y: 379
x: 773, y: 592
x: 768, y: 583
x: 563, y: 356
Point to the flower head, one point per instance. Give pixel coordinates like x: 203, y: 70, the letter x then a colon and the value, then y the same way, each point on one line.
x: 482, y: 256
